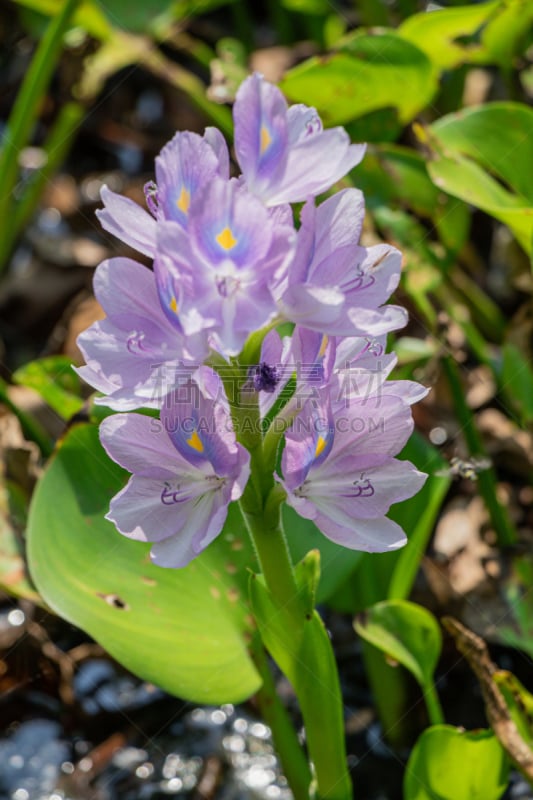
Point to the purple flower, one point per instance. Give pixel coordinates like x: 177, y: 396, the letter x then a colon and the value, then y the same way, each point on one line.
x: 283, y: 152
x: 134, y: 355
x: 216, y: 276
x: 361, y: 370
x: 185, y: 469
x: 183, y: 167
x: 339, y: 470
x: 334, y: 285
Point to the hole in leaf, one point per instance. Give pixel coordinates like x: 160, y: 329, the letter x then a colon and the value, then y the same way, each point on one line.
x: 114, y: 600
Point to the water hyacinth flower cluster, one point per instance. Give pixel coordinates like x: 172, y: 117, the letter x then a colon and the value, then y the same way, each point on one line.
x: 260, y: 343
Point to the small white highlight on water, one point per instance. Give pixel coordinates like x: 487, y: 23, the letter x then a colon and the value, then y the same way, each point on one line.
x: 16, y: 618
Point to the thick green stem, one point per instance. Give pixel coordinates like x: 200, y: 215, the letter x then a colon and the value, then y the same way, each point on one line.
x: 26, y: 109
x: 292, y: 757
x: 272, y: 551
x: 486, y: 479
x: 297, y: 639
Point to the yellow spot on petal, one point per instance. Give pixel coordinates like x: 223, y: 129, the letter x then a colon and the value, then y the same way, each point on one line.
x: 226, y: 239
x: 195, y: 442
x: 323, y: 345
x: 320, y: 445
x: 266, y: 139
x: 184, y: 200
x: 173, y: 305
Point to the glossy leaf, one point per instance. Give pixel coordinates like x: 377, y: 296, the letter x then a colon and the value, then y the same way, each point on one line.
x: 405, y: 632
x: 185, y: 629
x: 492, y: 140
x: 442, y: 34
x: 450, y: 763
x: 55, y: 380
x: 371, y: 72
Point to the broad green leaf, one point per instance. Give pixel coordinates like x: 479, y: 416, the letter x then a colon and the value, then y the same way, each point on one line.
x: 508, y: 32
x: 483, y: 33
x: 370, y: 72
x: 185, y: 629
x: 471, y: 147
x: 441, y: 33
x: 407, y: 633
x: 497, y: 137
x: 55, y: 380
x: 450, y: 763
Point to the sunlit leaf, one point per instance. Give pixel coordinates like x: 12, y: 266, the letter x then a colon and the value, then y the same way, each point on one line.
x: 370, y: 72
x: 482, y: 33
x: 55, y: 380
x: 484, y: 156
x: 442, y: 33
x: 405, y: 632
x: 450, y: 763
x: 182, y: 629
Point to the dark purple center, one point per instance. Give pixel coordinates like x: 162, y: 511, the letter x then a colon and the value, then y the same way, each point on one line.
x: 265, y: 378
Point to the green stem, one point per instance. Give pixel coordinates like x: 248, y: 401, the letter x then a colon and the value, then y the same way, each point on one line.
x: 302, y: 650
x: 292, y: 757
x: 434, y: 708
x: 26, y: 109
x: 272, y: 551
x: 486, y: 479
